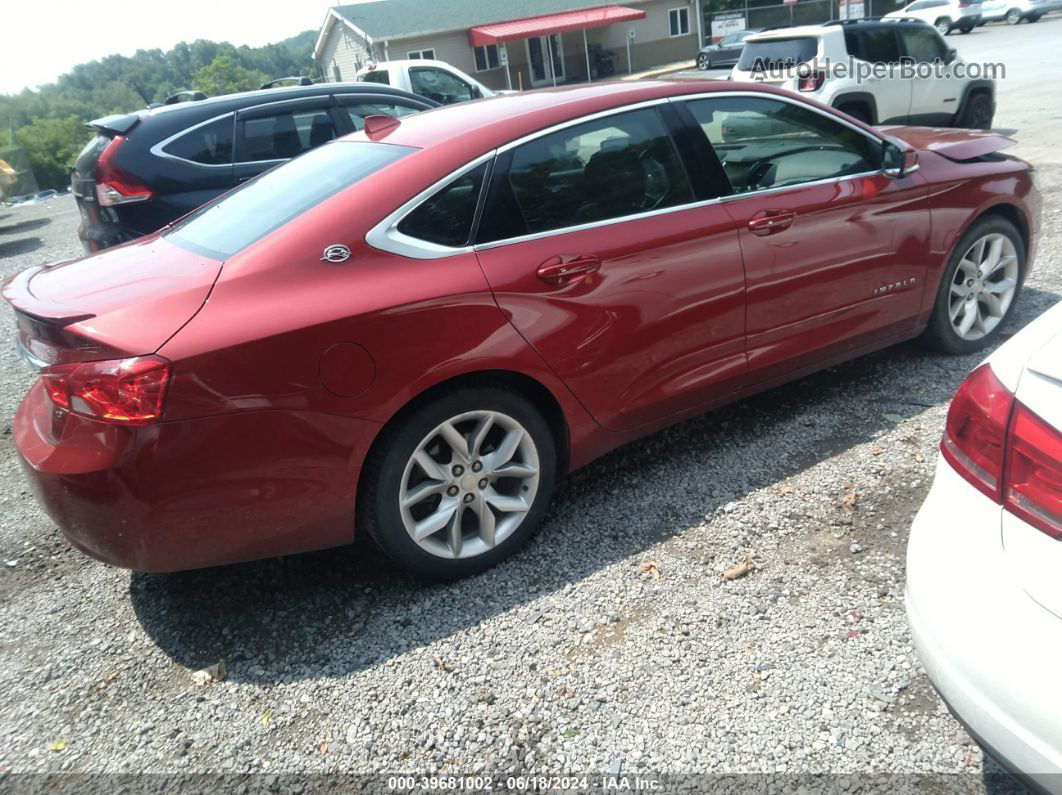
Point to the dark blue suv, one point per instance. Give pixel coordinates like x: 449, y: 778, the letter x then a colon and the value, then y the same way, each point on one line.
x: 144, y: 170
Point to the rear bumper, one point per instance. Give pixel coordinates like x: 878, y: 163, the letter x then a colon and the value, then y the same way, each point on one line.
x: 194, y: 493
x: 988, y: 648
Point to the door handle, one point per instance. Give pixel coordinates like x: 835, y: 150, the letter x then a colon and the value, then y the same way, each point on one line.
x: 767, y: 222
x: 568, y: 268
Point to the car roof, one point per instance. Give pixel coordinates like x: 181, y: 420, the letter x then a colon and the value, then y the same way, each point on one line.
x: 404, y: 63
x: 827, y: 28
x: 264, y: 95
x: 472, y: 128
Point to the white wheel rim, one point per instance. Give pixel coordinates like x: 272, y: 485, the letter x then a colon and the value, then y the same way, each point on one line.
x: 469, y: 484
x: 983, y: 287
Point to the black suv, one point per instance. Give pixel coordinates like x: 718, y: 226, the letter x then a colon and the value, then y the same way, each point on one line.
x: 144, y: 170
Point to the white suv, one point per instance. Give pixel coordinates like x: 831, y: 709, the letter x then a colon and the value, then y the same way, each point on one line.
x: 944, y: 15
x: 804, y: 60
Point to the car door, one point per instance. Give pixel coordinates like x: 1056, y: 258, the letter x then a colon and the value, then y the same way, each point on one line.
x: 627, y: 282
x: 271, y: 134
x: 834, y: 251
x: 934, y: 101
x: 880, y: 45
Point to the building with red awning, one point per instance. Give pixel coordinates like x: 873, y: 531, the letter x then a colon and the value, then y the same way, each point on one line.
x: 512, y: 43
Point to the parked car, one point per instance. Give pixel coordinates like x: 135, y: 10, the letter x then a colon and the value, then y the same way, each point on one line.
x: 724, y: 52
x: 435, y: 80
x: 984, y: 598
x: 416, y: 330
x: 773, y: 57
x: 1014, y: 11
x: 144, y: 170
x: 944, y: 15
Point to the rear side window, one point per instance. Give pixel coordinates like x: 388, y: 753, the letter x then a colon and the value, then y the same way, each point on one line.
x: 237, y: 219
x: 284, y: 135
x: 446, y: 218
x: 613, y: 167
x: 876, y: 45
x: 376, y: 76
x: 209, y: 144
x: 758, y: 56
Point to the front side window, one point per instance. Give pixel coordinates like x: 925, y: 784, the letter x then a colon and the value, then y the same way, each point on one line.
x: 284, y: 135
x: 621, y: 165
x: 924, y: 44
x: 440, y: 85
x: 446, y: 218
x: 486, y: 58
x: 238, y: 218
x: 358, y: 111
x: 209, y: 144
x: 679, y: 21
x: 759, y: 56
x: 768, y: 143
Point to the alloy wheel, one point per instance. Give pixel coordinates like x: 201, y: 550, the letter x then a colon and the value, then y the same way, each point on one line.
x: 983, y: 287
x: 702, y: 62
x: 469, y: 484
x: 943, y: 27
x: 1013, y: 16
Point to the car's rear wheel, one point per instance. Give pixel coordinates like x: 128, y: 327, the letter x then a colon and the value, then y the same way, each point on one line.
x: 981, y: 284
x: 703, y: 61
x: 977, y: 115
x: 1013, y: 16
x: 460, y: 483
x: 943, y: 26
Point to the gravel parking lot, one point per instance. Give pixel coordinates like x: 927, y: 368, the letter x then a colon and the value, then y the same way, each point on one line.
x: 611, y: 645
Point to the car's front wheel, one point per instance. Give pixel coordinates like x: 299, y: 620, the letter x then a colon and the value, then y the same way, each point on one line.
x: 703, y: 61
x: 460, y: 482
x: 980, y: 287
x: 943, y: 26
x: 1013, y: 16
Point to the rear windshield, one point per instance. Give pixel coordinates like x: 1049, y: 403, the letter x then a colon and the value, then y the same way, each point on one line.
x: 777, y: 53
x: 229, y: 224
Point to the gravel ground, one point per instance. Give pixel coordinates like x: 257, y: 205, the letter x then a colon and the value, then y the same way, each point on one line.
x: 611, y: 645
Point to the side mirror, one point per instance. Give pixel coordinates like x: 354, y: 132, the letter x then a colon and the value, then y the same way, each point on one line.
x: 476, y: 93
x: 897, y: 162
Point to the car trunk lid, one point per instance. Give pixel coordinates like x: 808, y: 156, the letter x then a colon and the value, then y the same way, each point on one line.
x: 955, y: 145
x: 126, y: 301
x: 1033, y: 556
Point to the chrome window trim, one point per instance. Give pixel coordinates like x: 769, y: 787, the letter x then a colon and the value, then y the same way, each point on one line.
x: 158, y: 149
x: 386, y: 237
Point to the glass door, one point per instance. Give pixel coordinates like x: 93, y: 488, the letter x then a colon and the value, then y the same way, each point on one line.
x: 543, y: 68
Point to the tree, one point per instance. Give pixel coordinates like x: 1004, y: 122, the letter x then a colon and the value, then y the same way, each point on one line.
x: 51, y: 146
x: 225, y: 76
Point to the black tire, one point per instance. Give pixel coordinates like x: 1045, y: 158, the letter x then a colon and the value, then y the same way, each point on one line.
x: 857, y: 110
x: 378, y: 512
x: 939, y: 334
x: 978, y: 113
x: 1013, y: 16
x: 703, y: 62
x: 943, y: 26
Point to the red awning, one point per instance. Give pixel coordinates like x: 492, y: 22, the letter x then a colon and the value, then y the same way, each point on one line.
x: 554, y: 23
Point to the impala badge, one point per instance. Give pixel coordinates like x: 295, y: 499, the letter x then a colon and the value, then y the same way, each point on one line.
x: 894, y: 286
x: 336, y: 253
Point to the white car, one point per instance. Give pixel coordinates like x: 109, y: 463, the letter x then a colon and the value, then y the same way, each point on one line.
x: 802, y: 58
x: 1014, y: 11
x: 944, y: 15
x: 984, y: 591
x: 435, y: 80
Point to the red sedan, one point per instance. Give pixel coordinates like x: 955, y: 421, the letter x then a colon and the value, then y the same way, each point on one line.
x: 415, y: 331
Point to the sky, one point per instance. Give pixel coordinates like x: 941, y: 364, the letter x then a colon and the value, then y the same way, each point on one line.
x: 45, y: 38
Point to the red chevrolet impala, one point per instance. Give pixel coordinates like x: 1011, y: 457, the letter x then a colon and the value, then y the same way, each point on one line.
x: 413, y: 332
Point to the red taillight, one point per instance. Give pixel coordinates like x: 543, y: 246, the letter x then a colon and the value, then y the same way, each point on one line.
x: 113, y: 185
x: 1034, y: 472
x: 811, y: 82
x: 129, y: 391
x: 976, y: 430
